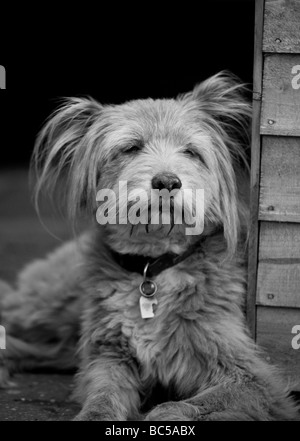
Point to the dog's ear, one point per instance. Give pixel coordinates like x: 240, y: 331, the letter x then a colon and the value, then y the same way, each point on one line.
x: 225, y: 115
x: 223, y: 101
x: 67, y: 152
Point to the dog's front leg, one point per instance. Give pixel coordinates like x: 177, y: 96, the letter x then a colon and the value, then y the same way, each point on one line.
x: 109, y: 389
x: 219, y: 403
x: 240, y: 398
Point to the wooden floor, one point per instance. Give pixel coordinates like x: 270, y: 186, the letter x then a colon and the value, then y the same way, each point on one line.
x: 38, y: 397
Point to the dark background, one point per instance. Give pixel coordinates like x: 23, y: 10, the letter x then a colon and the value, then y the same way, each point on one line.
x: 115, y: 57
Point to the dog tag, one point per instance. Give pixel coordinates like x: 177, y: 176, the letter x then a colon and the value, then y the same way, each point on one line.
x: 148, y: 288
x: 146, y: 306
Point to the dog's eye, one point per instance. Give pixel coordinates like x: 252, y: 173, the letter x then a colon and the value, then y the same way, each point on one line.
x: 194, y: 154
x: 134, y: 148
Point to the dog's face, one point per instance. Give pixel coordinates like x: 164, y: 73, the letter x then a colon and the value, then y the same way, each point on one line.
x: 179, y: 146
x: 158, y: 145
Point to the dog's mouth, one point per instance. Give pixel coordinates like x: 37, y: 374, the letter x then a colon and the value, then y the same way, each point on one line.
x: 163, y: 219
x: 164, y: 230
x: 164, y: 208
x: 160, y: 219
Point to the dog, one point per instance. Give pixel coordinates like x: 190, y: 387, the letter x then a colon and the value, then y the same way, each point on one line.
x: 151, y: 316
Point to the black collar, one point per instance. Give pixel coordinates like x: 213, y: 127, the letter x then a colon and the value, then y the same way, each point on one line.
x: 136, y: 263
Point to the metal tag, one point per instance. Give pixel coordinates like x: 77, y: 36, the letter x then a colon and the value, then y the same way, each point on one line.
x: 148, y: 290
x: 146, y: 306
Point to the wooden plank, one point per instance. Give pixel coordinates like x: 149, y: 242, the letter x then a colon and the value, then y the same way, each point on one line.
x: 279, y: 241
x: 282, y: 23
x: 280, y: 179
x: 278, y: 281
x: 255, y: 167
x: 274, y: 334
x: 281, y: 95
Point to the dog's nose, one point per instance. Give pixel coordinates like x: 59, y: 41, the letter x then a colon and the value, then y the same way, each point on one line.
x: 166, y: 180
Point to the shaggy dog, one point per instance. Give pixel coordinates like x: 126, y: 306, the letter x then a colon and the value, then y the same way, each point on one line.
x: 159, y: 308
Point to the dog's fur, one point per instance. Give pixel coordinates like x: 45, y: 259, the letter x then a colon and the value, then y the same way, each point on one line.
x: 197, y: 346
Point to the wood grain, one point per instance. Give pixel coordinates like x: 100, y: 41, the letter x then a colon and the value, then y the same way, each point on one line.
x: 280, y: 179
x: 282, y: 23
x: 255, y: 169
x: 278, y: 281
x: 281, y: 100
x: 274, y: 334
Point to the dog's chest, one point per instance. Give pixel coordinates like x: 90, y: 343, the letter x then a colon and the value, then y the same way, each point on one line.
x: 165, y: 347
x: 163, y: 342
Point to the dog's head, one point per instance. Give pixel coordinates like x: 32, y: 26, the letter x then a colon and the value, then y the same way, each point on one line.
x: 178, y: 145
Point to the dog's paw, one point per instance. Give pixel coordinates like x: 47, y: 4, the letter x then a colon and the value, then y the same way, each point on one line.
x: 94, y: 415
x: 172, y: 411
x: 85, y: 416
